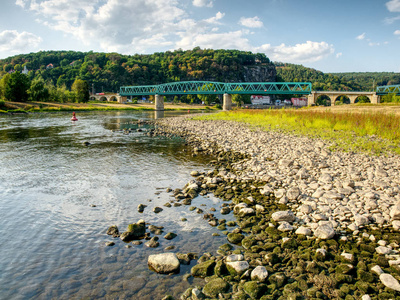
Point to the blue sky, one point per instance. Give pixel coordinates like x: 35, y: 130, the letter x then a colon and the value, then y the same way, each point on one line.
x: 331, y: 36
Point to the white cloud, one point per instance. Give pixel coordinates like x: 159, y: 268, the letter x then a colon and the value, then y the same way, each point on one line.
x: 339, y: 54
x: 372, y: 44
x: 18, y: 42
x: 393, y: 5
x: 391, y: 20
x: 251, y: 22
x: 300, y: 53
x: 361, y: 36
x: 202, y: 3
x: 111, y: 23
x: 397, y: 32
x: 226, y: 40
x: 214, y: 20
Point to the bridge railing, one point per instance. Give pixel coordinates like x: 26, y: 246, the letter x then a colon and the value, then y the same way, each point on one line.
x: 211, y: 87
x: 388, y: 89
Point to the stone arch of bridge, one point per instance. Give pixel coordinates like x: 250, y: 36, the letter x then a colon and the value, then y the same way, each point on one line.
x: 367, y: 101
x: 323, y: 99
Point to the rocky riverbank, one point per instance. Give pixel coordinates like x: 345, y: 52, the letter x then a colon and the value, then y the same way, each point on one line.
x: 311, y: 223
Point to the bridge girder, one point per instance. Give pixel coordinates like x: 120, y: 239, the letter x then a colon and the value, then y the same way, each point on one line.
x: 217, y: 88
x: 388, y: 89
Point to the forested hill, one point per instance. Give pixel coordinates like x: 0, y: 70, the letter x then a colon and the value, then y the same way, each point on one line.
x: 335, y: 81
x: 109, y: 71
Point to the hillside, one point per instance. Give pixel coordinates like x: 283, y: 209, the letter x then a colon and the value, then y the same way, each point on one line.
x: 109, y: 71
x: 335, y: 81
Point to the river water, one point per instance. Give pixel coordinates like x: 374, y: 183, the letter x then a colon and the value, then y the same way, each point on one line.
x: 58, y: 197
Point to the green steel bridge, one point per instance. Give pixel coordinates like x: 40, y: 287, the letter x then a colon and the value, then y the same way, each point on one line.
x: 388, y: 89
x: 217, y: 88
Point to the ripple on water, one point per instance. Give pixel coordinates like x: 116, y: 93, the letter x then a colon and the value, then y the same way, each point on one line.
x: 55, y: 240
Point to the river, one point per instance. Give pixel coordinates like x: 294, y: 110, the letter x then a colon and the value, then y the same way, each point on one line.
x: 58, y: 197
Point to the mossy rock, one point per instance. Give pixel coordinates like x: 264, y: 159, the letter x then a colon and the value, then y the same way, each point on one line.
x: 272, y: 258
x: 343, y: 278
x: 240, y: 296
x: 226, y: 247
x: 214, y: 287
x: 312, y: 267
x: 362, y: 286
x: 273, y: 232
x: 365, y: 276
x: 344, y: 269
x: 382, y: 261
x: 291, y: 243
x: 220, y: 269
x: 368, y: 248
x: 231, y: 223
x: 248, y: 241
x: 203, y: 269
x: 235, y: 238
x: 312, y: 292
x: 386, y: 296
x: 221, y: 227
x: 269, y: 246
x: 279, y: 279
x: 254, y: 289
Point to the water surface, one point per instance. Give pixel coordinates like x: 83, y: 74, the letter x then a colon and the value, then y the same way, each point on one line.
x: 53, y: 238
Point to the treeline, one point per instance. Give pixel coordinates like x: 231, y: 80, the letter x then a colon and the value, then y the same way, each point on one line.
x: 335, y: 81
x: 108, y: 71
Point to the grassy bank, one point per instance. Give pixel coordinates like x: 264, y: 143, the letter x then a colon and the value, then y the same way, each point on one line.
x: 20, y: 107
x: 374, y: 133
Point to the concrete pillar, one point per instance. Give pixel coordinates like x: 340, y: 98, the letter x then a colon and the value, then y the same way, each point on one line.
x: 375, y: 98
x: 311, y: 99
x: 227, y: 105
x: 159, y: 101
x: 122, y: 99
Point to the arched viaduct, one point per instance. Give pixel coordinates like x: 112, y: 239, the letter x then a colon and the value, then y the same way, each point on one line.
x: 108, y: 98
x: 333, y: 96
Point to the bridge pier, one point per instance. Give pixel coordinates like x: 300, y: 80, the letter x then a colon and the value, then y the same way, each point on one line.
x: 159, y: 102
x: 227, y: 105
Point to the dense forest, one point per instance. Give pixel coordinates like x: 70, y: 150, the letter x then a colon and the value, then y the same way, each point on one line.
x: 108, y: 71
x: 67, y: 76
x: 335, y: 81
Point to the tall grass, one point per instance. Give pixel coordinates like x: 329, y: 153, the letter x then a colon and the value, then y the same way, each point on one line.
x: 369, y: 132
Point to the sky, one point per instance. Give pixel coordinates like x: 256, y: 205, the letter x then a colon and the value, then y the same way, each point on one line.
x: 330, y: 36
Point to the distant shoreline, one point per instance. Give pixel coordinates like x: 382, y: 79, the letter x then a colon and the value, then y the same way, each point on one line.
x: 25, y: 107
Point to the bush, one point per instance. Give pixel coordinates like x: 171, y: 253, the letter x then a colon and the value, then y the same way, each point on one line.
x: 2, y: 104
x: 218, y: 106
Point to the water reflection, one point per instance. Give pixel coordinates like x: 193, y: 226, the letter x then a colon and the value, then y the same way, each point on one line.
x: 159, y: 114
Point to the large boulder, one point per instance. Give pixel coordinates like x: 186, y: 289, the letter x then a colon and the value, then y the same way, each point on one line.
x: 164, y: 263
x: 324, y: 232
x: 286, y: 215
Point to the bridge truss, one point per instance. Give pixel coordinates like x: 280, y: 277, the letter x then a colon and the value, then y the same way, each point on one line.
x: 210, y: 87
x: 388, y: 89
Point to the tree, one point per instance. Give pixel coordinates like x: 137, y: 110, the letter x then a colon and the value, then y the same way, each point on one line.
x: 240, y: 99
x: 3, y: 82
x: 81, y: 90
x: 38, y: 90
x: 17, y: 87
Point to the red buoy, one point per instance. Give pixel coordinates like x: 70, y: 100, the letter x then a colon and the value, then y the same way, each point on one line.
x: 74, y: 118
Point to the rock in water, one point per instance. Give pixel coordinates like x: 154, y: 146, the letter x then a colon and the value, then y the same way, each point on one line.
x: 113, y: 230
x: 134, y: 231
x: 141, y: 207
x: 164, y: 263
